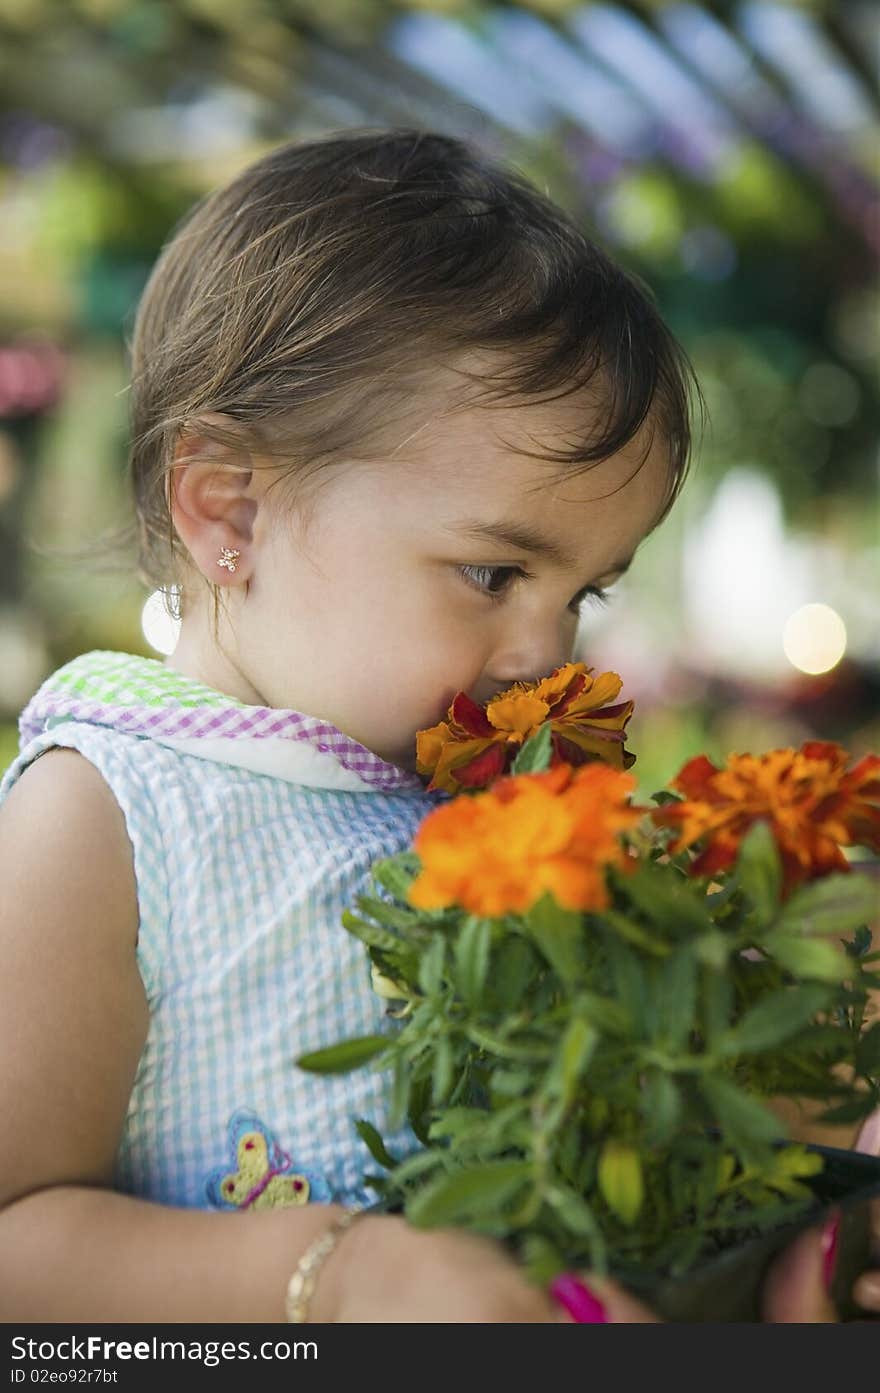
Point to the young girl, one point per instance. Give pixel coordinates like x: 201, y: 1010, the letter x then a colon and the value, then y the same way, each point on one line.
x: 394, y: 421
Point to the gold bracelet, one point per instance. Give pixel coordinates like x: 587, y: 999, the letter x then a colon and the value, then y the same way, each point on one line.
x: 301, y: 1286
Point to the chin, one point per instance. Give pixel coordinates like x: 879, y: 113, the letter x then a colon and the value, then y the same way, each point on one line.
x: 407, y: 762
x: 404, y: 759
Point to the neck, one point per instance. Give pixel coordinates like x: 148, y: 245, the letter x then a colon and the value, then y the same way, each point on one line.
x: 198, y: 657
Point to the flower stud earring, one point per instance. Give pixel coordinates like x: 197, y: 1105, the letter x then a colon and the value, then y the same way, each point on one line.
x: 228, y: 558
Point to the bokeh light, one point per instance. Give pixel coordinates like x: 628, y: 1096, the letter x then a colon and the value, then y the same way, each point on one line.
x: 160, y: 628
x: 814, y: 639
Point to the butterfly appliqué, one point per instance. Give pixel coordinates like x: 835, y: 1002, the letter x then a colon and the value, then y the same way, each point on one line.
x: 264, y: 1177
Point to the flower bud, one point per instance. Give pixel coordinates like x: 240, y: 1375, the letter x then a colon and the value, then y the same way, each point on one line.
x: 620, y: 1180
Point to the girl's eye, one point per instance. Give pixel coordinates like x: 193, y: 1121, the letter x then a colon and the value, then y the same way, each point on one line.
x: 491, y: 581
x: 495, y: 581
x: 593, y: 594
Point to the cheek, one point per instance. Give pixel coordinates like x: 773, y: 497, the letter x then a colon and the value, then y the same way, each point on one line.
x: 401, y: 621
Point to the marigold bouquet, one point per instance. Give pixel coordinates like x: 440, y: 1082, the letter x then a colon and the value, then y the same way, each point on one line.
x: 596, y: 1001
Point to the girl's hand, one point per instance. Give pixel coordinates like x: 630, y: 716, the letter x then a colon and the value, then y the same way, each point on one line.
x: 384, y: 1270
x: 866, y: 1292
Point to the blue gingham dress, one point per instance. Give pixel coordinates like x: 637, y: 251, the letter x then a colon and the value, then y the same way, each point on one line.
x: 242, y: 877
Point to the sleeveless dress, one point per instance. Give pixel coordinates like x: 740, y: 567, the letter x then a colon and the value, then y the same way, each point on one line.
x: 252, y: 829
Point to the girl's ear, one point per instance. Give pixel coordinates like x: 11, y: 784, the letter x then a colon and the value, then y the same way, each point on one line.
x: 213, y: 501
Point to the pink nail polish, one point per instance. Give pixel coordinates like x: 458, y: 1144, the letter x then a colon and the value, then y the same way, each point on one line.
x: 580, y: 1303
x: 830, y: 1235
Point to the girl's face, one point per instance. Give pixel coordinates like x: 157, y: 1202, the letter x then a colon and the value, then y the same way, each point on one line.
x: 403, y: 590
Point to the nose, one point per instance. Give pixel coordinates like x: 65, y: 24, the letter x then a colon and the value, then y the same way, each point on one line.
x: 524, y: 658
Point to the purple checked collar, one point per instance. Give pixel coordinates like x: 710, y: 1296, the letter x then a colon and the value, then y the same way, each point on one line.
x: 140, y: 696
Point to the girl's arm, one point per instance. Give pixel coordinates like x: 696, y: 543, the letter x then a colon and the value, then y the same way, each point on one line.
x: 73, y: 1021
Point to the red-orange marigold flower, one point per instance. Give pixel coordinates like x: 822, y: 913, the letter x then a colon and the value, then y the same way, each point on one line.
x: 497, y: 852
x: 814, y: 805
x: 478, y: 744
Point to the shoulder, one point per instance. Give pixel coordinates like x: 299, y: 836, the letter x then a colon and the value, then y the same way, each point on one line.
x: 73, y: 1012
x: 61, y: 825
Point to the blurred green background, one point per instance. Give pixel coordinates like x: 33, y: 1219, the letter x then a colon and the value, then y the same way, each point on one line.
x: 728, y: 153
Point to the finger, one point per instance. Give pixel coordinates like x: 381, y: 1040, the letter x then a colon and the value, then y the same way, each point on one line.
x: 869, y: 1136
x: 797, y: 1285
x: 590, y: 1299
x: 868, y: 1140
x: 866, y: 1291
x: 874, y: 1228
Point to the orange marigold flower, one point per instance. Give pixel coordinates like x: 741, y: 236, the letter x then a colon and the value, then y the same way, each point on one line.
x: 499, y: 851
x: 814, y: 805
x: 478, y: 744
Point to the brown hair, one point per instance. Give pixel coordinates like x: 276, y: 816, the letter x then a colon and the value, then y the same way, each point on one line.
x: 305, y: 297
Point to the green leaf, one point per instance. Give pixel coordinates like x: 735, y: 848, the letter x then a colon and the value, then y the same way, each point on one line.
x: 630, y: 985
x: 713, y: 949
x: 371, y: 934
x: 814, y: 959
x: 510, y: 1083
x: 419, y: 1163
x: 419, y: 1108
x: 573, y: 1210
x: 742, y: 1118
x: 836, y: 904
x: 472, y: 958
x: 609, y: 1017
x: 542, y: 1260
x: 513, y: 964
x: 368, y: 1134
x: 868, y: 1052
x: 393, y: 916
x: 675, y: 997
x: 667, y: 900
x: 664, y: 796
x: 572, y: 1058
x: 350, y: 1054
x: 718, y: 997
x: 479, y: 1192
x: 759, y: 871
x: 861, y: 942
x: 443, y: 1064
x: 777, y: 1017
x: 457, y: 1122
x: 853, y: 1111
x: 397, y: 873
x: 431, y: 966
x: 634, y: 933
x: 400, y: 1094
x: 660, y: 1106
x: 506, y: 1049
x: 558, y: 933
x: 535, y: 754
x: 826, y: 1041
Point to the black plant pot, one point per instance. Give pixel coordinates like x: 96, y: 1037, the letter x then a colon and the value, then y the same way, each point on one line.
x: 727, y: 1286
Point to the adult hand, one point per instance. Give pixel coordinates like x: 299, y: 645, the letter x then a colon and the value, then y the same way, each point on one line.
x: 795, y: 1289
x: 866, y: 1291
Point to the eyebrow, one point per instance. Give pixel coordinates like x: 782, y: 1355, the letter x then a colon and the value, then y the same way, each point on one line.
x: 525, y: 538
